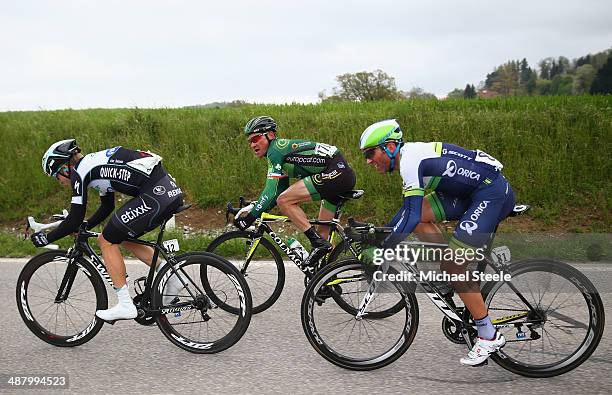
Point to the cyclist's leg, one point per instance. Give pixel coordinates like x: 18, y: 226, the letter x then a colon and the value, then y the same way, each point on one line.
x: 472, y: 235
x: 137, y: 216
x: 326, y: 213
x: 438, y: 207
x: 337, y: 178
x: 288, y: 203
x: 142, y: 252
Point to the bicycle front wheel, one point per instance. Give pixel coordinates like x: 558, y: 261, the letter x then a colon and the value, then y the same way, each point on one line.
x: 560, y: 332
x: 68, y: 320
x: 259, y: 262
x: 378, y: 309
x: 194, y: 322
x: 349, y: 340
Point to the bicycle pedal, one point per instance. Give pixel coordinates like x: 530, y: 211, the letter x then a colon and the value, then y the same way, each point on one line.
x: 485, y: 363
x: 112, y: 322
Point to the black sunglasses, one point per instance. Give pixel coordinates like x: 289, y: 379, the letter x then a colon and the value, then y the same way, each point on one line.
x: 369, y: 153
x: 64, y: 171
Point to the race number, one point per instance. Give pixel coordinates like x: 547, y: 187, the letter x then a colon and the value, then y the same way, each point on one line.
x: 325, y: 150
x: 488, y: 159
x: 171, y: 245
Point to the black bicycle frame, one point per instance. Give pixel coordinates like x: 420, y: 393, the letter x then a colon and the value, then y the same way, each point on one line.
x: 82, y: 248
x: 447, y: 307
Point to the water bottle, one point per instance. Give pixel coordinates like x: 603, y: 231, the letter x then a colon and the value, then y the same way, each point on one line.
x: 298, y: 248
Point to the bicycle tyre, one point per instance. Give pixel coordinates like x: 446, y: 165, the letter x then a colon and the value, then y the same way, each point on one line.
x: 264, y: 295
x: 594, y: 330
x: 331, y: 353
x: 34, y: 273
x: 335, y: 255
x: 190, y: 266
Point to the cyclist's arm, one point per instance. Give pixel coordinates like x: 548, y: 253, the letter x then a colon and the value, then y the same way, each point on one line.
x: 275, y: 185
x: 70, y: 224
x: 395, y: 218
x: 409, y: 217
x: 107, y: 205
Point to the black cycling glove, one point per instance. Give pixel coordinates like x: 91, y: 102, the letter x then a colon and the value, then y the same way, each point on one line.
x: 39, y: 239
x: 244, y: 222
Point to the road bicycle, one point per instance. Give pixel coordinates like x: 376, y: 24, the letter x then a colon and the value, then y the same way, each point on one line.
x: 261, y: 262
x: 58, y: 293
x: 550, y: 314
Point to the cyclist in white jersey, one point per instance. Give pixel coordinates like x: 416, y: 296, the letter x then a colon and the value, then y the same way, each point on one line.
x: 464, y: 185
x: 135, y: 173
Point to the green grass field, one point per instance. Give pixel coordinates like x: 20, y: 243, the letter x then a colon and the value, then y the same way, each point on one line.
x: 556, y: 150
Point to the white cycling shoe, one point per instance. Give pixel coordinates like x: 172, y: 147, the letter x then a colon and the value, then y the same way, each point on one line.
x: 121, y: 311
x: 483, y: 349
x: 173, y: 287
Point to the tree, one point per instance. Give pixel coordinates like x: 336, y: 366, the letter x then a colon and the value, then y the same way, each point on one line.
x: 543, y: 87
x: 507, y: 83
x: 364, y: 86
x: 545, y: 66
x: 419, y: 93
x: 561, y: 84
x: 469, y: 92
x: 602, y: 84
x: 583, y: 79
x: 490, y: 80
x: 456, y: 93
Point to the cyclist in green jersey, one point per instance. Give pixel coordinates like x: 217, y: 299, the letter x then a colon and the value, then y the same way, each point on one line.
x: 322, y: 172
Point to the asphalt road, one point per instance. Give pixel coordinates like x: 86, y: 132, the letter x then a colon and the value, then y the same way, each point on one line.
x: 273, y: 357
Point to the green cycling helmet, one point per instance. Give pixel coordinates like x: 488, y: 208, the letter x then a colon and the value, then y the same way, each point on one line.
x: 379, y: 133
x: 260, y: 124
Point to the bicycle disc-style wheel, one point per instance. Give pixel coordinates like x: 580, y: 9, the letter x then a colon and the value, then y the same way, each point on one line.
x: 348, y: 341
x: 72, y: 321
x: 193, y: 321
x: 566, y: 326
x: 378, y: 309
x: 264, y: 271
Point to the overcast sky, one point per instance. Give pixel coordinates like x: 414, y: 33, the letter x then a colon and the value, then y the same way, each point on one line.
x: 57, y: 54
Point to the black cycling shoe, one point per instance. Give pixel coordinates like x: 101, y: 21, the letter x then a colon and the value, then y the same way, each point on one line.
x: 321, y: 248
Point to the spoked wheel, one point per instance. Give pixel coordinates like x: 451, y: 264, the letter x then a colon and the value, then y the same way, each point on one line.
x: 189, y: 317
x: 258, y: 260
x: 69, y: 320
x: 351, y: 341
x: 381, y: 308
x: 560, y: 332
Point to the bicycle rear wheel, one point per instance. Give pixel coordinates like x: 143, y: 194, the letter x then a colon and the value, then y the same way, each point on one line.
x: 356, y: 343
x: 561, y: 332
x: 195, y: 322
x: 67, y: 322
x: 264, y: 271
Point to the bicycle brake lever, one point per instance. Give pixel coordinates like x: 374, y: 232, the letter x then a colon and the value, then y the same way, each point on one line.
x: 228, y: 209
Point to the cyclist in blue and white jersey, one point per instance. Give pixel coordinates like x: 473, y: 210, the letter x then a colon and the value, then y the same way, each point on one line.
x: 464, y: 185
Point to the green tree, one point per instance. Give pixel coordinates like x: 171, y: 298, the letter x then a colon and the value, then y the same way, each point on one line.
x: 561, y: 84
x: 543, y: 87
x: 469, y: 92
x: 419, y: 93
x: 364, y: 86
x: 545, y: 66
x: 456, y: 93
x: 583, y: 79
x: 602, y: 84
x: 507, y: 82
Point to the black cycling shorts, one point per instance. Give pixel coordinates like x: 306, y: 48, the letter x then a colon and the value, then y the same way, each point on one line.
x: 157, y: 201
x: 336, y: 179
